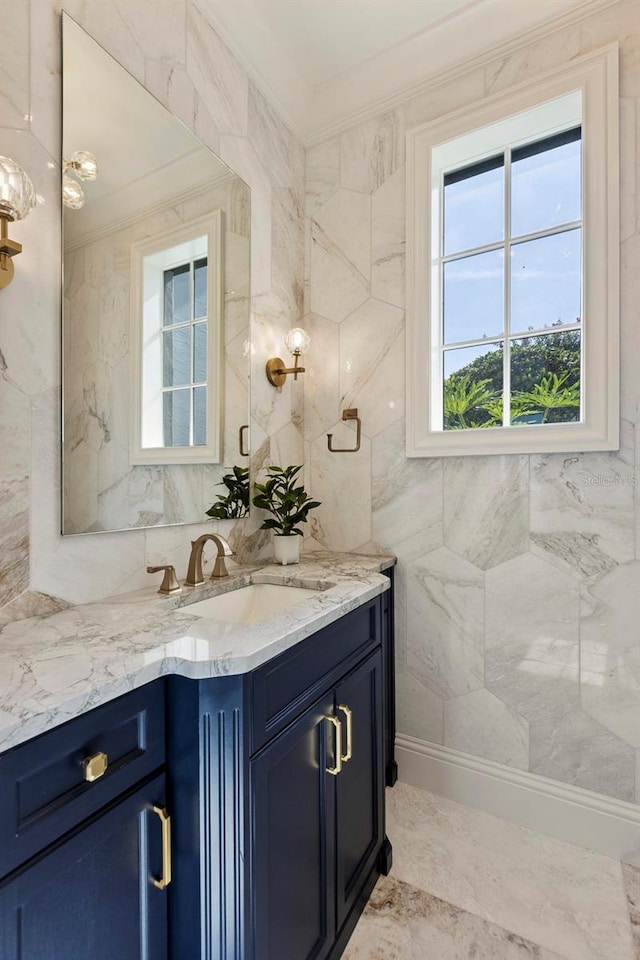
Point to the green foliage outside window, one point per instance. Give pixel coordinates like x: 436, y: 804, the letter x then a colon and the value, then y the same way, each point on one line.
x: 545, y: 384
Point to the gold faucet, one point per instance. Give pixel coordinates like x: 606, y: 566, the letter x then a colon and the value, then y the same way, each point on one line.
x: 194, y: 573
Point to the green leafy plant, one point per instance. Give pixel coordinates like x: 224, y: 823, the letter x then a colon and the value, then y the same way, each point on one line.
x: 234, y: 504
x: 288, y: 504
x: 552, y: 393
x: 464, y: 397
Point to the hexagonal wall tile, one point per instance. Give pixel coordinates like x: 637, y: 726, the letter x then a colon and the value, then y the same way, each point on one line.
x: 445, y: 619
x: 531, y: 644
x: 342, y: 481
x: 610, y: 652
x: 481, y: 724
x: 486, y: 508
x: 341, y: 255
x: 407, y: 496
x: 372, y: 364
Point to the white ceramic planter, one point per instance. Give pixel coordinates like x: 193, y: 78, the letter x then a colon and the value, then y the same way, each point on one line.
x: 286, y: 549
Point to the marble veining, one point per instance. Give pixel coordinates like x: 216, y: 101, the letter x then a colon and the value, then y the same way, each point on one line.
x: 548, y: 545
x: 402, y: 922
x: 56, y: 667
x: 631, y: 877
x: 562, y: 897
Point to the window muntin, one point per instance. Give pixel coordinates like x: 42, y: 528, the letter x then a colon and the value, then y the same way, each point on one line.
x: 497, y: 283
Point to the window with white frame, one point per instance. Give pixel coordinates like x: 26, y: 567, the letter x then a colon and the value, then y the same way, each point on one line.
x: 176, y: 345
x: 513, y: 270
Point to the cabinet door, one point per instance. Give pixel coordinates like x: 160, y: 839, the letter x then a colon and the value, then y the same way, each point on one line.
x: 360, y: 784
x: 92, y: 896
x: 293, y: 841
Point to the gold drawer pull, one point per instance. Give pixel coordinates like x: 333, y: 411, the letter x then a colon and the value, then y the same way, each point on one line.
x: 165, y: 820
x: 95, y: 766
x: 349, y: 715
x: 338, y: 728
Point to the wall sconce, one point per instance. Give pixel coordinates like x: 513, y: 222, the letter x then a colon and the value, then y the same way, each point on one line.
x: 297, y: 342
x: 84, y: 165
x: 17, y: 199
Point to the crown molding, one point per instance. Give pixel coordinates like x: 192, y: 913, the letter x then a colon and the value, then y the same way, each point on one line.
x: 444, y: 77
x: 470, y: 40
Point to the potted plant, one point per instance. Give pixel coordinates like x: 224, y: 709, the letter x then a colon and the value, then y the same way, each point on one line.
x: 235, y: 503
x: 289, y: 506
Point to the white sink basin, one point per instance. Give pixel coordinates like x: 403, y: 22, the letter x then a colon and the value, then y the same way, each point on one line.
x: 249, y: 604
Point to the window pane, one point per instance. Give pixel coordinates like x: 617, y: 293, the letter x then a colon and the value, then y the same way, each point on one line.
x: 200, y: 416
x: 175, y: 418
x: 176, y: 349
x: 473, y: 379
x: 545, y: 378
x: 546, y: 282
x: 545, y: 186
x: 176, y: 295
x: 474, y: 206
x: 200, y: 352
x: 200, y: 294
x: 474, y: 297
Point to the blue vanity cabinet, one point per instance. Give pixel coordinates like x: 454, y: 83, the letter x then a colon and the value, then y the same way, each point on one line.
x: 92, y: 896
x: 318, y: 822
x: 278, y: 842
x: 79, y: 856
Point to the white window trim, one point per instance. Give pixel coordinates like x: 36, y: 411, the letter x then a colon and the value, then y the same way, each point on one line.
x: 596, y: 76
x: 213, y: 226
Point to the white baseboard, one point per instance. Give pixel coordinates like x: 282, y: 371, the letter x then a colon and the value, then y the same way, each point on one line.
x: 591, y: 820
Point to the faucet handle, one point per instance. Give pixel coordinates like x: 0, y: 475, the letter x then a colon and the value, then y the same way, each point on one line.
x: 169, y: 581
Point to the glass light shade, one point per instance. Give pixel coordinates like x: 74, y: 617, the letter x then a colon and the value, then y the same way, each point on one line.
x: 85, y: 165
x: 17, y: 194
x: 72, y: 193
x: 297, y: 341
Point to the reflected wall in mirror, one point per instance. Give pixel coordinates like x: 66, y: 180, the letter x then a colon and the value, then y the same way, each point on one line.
x: 156, y: 234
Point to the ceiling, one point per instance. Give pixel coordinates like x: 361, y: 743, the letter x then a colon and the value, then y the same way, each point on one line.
x: 326, y: 37
x: 325, y: 64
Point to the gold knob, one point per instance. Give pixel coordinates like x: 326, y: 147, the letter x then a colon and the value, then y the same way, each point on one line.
x: 95, y: 766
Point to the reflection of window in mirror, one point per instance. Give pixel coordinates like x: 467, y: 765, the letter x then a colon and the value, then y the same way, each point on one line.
x: 176, y: 337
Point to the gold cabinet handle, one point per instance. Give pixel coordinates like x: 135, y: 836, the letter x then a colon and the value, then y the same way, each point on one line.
x: 95, y: 766
x: 349, y: 715
x: 338, y: 728
x: 165, y: 820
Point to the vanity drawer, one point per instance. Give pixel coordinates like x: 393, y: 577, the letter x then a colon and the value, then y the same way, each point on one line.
x: 45, y: 789
x: 283, y: 687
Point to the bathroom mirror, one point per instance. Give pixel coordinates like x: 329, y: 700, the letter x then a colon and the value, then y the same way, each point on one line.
x: 156, y: 237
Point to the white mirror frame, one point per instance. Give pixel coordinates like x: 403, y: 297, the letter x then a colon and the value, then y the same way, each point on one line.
x: 212, y: 225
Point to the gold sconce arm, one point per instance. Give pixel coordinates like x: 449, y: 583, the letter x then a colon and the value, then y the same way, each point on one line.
x: 8, y: 249
x: 350, y: 414
x: 277, y: 373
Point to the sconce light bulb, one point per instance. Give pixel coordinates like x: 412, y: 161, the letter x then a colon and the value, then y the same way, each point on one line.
x: 84, y: 164
x: 17, y: 194
x: 72, y: 193
x: 297, y: 341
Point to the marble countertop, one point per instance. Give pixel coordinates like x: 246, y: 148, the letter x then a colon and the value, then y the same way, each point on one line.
x: 56, y: 667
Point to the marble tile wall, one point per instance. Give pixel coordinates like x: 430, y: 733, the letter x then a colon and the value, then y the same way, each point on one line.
x: 518, y: 577
x: 174, y: 51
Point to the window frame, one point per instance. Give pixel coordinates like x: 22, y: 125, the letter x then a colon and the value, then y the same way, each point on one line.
x: 212, y: 226
x: 595, y: 76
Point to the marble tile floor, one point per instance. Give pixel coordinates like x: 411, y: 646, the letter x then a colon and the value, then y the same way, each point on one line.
x: 469, y: 886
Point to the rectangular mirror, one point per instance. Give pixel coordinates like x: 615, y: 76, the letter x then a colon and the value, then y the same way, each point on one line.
x: 156, y: 255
